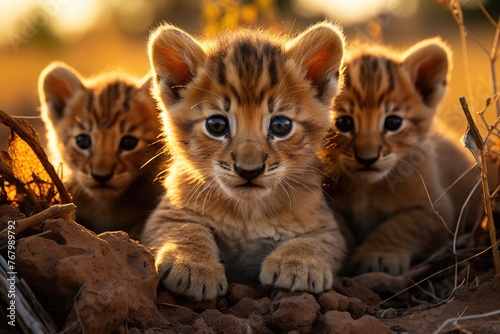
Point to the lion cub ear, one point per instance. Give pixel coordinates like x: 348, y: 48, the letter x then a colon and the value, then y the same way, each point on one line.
x: 429, y: 64
x: 174, y: 57
x: 57, y: 84
x: 320, y: 51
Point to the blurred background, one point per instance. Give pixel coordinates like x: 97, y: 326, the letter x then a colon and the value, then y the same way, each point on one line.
x: 101, y: 35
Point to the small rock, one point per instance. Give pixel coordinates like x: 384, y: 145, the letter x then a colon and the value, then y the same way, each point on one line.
x: 177, y: 314
x: 258, y: 324
x: 367, y: 321
x: 200, y: 327
x: 333, y: 301
x: 351, y: 288
x: 209, y: 316
x: 335, y: 322
x: 222, y: 304
x: 280, y: 294
x: 248, y: 306
x: 230, y: 324
x: 236, y: 292
x: 294, y: 312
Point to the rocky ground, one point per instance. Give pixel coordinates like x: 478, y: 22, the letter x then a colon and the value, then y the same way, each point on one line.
x: 107, y: 283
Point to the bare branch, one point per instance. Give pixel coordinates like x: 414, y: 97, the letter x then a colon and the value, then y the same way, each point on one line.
x: 488, y: 205
x: 485, y: 12
x: 9, y: 121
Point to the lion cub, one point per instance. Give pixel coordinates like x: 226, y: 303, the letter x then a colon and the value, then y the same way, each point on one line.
x: 105, y: 132
x: 246, y: 114
x: 384, y: 147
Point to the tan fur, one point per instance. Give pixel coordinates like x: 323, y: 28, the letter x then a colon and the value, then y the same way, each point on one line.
x: 109, y: 184
x: 377, y: 187
x: 247, y: 204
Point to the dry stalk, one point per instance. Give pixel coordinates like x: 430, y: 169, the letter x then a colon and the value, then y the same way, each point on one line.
x: 434, y: 274
x: 454, y: 7
x: 485, y: 12
x: 55, y: 211
x: 493, y: 58
x: 457, y: 225
x: 432, y: 206
x: 463, y: 318
x: 9, y: 121
x: 488, y: 205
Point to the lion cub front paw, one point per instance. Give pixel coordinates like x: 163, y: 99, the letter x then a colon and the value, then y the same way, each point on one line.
x: 199, y: 280
x: 391, y: 262
x: 297, y: 273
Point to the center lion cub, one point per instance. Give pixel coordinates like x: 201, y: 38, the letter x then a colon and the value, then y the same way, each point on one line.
x: 245, y: 115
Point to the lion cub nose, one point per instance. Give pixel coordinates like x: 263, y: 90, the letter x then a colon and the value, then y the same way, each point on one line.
x: 102, y: 179
x: 249, y: 174
x: 367, y: 162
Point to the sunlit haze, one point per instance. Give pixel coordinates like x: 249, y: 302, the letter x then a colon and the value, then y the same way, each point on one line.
x: 355, y: 11
x: 20, y: 19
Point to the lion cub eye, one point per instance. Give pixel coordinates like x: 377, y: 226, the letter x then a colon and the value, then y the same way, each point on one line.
x: 128, y: 143
x: 344, y: 124
x: 83, y: 141
x: 393, y: 123
x: 280, y: 126
x: 217, y: 125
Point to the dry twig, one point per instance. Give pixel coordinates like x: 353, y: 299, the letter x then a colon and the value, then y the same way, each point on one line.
x: 22, y: 225
x: 488, y: 206
x: 463, y: 318
x: 433, y: 275
x: 14, y: 125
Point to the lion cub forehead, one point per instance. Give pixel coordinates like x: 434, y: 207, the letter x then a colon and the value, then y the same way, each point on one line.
x: 247, y: 69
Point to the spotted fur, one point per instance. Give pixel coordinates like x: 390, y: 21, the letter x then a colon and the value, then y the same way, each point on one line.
x: 105, y: 133
x: 246, y: 114
x: 384, y: 149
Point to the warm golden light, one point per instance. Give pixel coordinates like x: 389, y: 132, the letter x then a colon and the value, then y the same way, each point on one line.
x: 76, y: 17
x: 355, y: 11
x: 21, y: 20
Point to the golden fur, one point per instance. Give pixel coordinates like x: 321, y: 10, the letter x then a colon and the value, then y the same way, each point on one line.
x: 245, y: 202
x: 383, y: 143
x: 103, y: 131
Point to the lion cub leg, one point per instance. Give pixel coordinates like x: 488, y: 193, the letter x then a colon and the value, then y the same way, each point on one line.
x: 304, y: 263
x: 408, y: 235
x: 187, y: 259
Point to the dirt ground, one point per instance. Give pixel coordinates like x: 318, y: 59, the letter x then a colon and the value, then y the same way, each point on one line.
x: 108, y: 284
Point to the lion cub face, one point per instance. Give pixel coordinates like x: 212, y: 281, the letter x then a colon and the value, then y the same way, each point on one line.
x: 103, y: 130
x: 247, y: 113
x: 386, y: 106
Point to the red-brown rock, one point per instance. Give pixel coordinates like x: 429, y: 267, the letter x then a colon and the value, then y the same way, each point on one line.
x: 294, y: 312
x: 97, y: 281
x: 335, y: 322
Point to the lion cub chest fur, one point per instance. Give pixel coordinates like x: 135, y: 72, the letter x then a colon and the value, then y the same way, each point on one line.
x: 387, y: 156
x: 246, y: 115
x: 104, y: 132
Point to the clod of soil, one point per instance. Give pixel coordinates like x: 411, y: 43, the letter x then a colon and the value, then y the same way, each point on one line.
x: 98, y: 282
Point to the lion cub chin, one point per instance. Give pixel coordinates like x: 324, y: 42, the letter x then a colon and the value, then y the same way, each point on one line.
x: 387, y: 158
x: 244, y: 116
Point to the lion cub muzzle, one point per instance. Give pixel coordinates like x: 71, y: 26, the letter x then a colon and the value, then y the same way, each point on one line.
x: 249, y: 160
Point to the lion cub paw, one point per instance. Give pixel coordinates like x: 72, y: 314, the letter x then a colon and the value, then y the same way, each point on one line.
x: 198, y: 280
x: 297, y: 273
x: 394, y: 263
